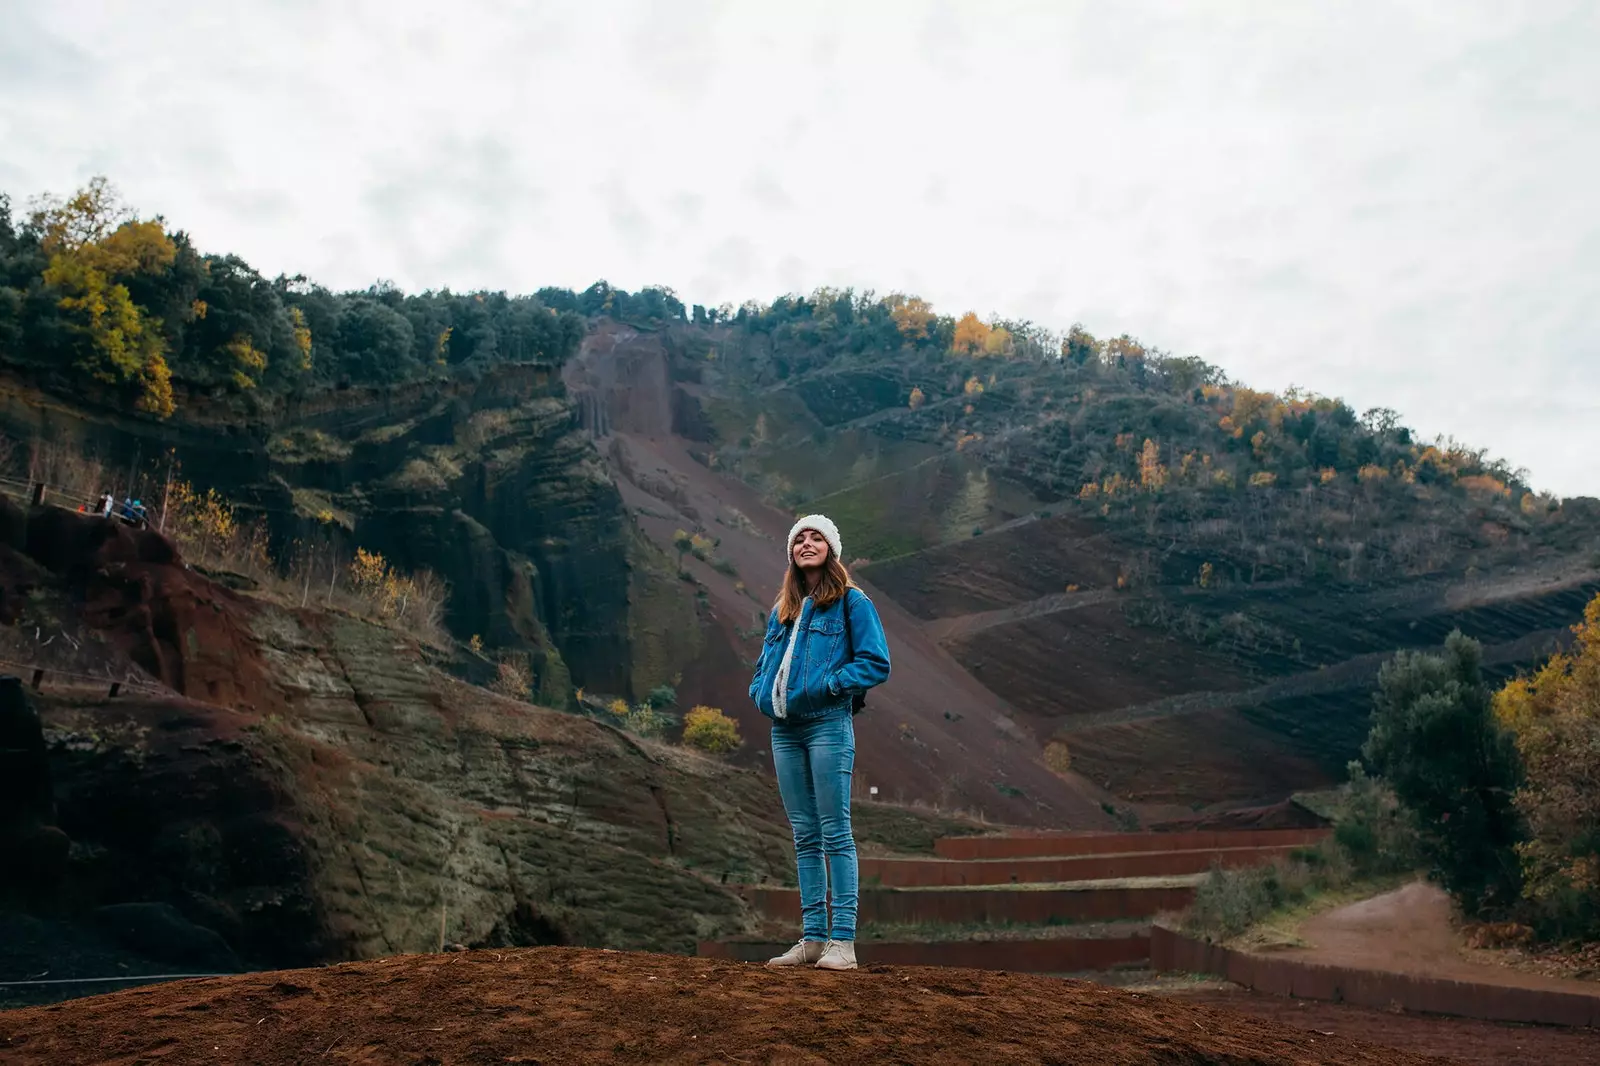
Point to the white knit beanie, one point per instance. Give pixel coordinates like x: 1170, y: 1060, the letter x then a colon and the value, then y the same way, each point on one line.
x: 822, y: 524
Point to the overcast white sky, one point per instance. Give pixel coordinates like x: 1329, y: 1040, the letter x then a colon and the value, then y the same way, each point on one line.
x: 1397, y: 203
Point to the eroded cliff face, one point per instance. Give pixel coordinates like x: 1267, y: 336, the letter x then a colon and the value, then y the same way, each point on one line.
x: 489, y: 482
x: 313, y: 787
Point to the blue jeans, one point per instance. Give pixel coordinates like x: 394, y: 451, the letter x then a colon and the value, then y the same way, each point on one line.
x: 814, y: 760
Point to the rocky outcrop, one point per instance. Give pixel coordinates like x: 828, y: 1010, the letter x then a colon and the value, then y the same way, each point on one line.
x: 486, y: 479
x: 309, y: 786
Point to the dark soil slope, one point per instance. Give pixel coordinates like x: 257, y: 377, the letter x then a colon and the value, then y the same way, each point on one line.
x: 553, y: 1005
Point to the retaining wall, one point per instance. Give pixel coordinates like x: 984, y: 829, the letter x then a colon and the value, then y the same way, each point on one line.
x: 1065, y: 955
x: 1373, y: 988
x: 1042, y: 844
x: 972, y: 906
x: 935, y: 873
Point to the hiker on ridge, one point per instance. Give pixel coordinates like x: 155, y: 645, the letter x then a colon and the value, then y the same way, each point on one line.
x: 824, y: 648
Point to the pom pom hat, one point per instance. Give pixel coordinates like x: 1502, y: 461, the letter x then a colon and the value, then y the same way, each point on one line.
x: 822, y: 524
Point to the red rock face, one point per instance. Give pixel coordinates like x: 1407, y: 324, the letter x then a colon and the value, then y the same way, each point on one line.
x: 183, y: 629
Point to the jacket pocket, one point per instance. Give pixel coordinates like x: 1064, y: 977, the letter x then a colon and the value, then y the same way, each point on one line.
x: 766, y: 670
x: 824, y: 653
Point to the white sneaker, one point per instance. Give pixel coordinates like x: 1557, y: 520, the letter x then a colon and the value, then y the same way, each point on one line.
x: 805, y: 953
x: 838, y: 955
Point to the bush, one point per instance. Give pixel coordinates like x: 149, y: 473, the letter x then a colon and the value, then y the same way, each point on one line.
x: 1554, y: 717
x: 512, y: 681
x: 1436, y: 742
x: 708, y: 729
x: 1229, y: 902
x: 646, y: 721
x: 662, y: 696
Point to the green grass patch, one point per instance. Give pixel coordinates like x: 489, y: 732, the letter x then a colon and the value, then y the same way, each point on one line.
x: 907, y: 830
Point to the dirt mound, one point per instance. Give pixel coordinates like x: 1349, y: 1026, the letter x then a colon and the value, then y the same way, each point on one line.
x: 569, y: 1005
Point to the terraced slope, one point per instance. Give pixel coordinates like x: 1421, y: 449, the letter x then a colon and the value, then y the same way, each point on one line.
x: 1034, y: 901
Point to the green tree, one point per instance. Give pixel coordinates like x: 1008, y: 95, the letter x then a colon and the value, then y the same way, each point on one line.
x: 1436, y: 741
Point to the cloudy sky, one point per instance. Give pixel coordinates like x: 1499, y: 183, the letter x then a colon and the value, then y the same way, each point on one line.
x: 1397, y: 203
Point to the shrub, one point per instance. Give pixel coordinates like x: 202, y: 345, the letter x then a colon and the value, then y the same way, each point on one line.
x: 1375, y: 833
x: 1058, y: 757
x: 708, y: 729
x: 512, y: 680
x: 646, y: 721
x: 662, y: 696
x: 1228, y: 902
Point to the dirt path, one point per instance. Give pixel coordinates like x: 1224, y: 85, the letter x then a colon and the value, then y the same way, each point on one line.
x: 947, y: 629
x: 1409, y: 931
x: 559, y: 1005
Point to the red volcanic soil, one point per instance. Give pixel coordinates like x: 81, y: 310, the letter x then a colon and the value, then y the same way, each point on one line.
x: 1476, y: 1042
x: 564, y: 1005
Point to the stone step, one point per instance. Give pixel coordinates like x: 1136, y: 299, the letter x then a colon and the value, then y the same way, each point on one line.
x: 1061, y: 955
x: 1081, y: 901
x: 883, y: 872
x: 1045, y: 844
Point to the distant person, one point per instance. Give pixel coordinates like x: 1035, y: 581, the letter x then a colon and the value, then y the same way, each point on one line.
x: 105, y: 505
x: 824, y: 649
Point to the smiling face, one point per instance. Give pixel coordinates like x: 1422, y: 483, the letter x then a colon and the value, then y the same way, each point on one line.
x: 809, y: 551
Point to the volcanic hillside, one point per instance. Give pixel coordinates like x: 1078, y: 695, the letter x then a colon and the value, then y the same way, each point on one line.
x: 1182, y: 587
x: 1109, y: 574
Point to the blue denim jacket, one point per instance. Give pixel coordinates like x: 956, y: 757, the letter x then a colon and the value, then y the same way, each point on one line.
x: 825, y: 671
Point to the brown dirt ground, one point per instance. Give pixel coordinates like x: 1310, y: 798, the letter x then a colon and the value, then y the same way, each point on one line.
x: 1480, y: 1043
x: 562, y: 1005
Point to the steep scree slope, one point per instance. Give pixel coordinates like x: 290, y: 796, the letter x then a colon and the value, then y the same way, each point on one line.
x: 932, y: 733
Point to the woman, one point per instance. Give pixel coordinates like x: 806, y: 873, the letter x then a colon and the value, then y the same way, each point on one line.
x: 824, y: 647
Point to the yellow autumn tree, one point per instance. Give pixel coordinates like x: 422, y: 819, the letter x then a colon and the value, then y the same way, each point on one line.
x: 367, y: 571
x: 246, y: 359
x: 998, y: 342
x: 302, y: 336
x: 912, y: 314
x: 201, y: 522
x: 918, y: 397
x: 1152, y: 475
x: 1554, y: 717
x: 971, y: 335
x: 95, y: 247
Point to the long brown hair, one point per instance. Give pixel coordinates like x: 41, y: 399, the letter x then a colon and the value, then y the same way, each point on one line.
x: 830, y: 590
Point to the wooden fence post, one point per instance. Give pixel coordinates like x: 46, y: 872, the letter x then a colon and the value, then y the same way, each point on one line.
x: 38, y: 679
x: 38, y: 493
